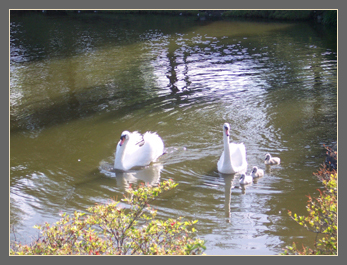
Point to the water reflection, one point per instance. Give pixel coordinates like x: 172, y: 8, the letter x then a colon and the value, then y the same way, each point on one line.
x: 171, y: 74
x: 149, y: 175
x: 228, y: 186
x: 243, y: 187
x: 255, y: 180
x: 231, y: 184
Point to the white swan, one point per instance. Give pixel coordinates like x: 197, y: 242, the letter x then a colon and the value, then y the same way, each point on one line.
x: 233, y: 158
x: 271, y: 160
x: 245, y: 179
x: 257, y: 172
x: 135, y: 150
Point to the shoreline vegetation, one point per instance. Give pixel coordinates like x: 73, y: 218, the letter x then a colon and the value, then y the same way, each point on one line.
x: 126, y: 227
x: 325, y: 17
x: 321, y: 217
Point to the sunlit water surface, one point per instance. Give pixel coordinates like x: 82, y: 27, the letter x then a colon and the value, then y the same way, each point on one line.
x: 78, y: 81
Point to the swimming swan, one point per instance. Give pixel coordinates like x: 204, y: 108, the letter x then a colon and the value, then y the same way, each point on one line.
x: 135, y: 150
x: 271, y: 160
x: 246, y: 179
x: 257, y: 172
x: 233, y: 158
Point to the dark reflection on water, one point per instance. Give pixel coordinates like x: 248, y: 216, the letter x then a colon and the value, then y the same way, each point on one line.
x: 78, y: 81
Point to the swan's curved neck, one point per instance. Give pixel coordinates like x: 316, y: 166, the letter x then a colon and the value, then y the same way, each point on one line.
x: 119, y: 160
x: 122, y: 153
x: 226, y: 149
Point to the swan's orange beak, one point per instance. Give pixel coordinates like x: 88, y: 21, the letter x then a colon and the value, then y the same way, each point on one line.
x: 122, y: 139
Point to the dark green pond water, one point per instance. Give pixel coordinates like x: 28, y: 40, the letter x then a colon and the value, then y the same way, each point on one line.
x: 78, y: 81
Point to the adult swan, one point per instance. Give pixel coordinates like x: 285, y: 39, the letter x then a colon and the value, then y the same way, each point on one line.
x: 233, y: 158
x: 135, y: 150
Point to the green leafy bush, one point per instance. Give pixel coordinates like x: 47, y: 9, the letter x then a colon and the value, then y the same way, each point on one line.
x: 114, y: 230
x: 321, y: 219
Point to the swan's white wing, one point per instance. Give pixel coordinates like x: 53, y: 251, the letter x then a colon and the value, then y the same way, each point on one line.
x: 237, y: 153
x: 238, y: 156
x: 155, y: 144
x: 152, y: 148
x: 141, y: 151
x: 135, y: 139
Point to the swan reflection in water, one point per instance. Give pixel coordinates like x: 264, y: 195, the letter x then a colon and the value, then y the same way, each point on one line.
x: 230, y: 181
x: 150, y: 175
x: 229, y: 186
